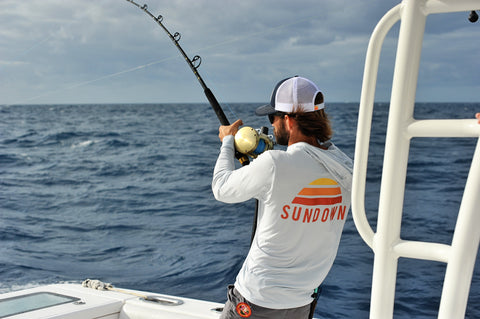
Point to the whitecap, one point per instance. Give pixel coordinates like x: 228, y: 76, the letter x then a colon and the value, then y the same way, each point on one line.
x: 83, y: 144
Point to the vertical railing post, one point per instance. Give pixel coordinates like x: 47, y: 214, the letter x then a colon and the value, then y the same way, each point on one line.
x: 397, y: 146
x: 458, y: 276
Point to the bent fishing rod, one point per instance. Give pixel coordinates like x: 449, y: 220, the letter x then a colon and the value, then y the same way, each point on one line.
x: 248, y: 141
x: 194, y: 64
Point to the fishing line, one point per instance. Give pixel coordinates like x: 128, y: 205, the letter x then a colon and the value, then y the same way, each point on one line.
x: 72, y: 86
x: 121, y: 72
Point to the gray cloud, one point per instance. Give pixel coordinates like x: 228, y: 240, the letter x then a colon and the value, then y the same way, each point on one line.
x: 55, y: 51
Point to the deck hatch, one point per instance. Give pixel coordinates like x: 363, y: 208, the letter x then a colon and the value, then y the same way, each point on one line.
x: 30, y: 302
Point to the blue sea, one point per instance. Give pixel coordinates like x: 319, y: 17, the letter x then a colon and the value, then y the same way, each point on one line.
x: 121, y: 193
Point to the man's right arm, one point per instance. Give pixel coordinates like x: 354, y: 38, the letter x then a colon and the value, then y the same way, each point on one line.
x: 230, y: 185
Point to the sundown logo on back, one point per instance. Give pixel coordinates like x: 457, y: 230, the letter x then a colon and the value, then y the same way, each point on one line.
x: 317, y: 202
x: 323, y: 191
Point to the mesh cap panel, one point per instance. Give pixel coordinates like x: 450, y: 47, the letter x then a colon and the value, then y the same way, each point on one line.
x: 296, y: 93
x: 290, y: 95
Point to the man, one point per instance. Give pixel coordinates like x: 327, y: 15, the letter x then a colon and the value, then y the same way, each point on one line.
x: 304, y: 198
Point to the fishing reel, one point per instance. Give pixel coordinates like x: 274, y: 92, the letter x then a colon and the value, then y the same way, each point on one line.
x: 253, y: 142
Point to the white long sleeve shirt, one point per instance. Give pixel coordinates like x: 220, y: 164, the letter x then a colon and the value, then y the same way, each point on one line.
x: 304, y: 194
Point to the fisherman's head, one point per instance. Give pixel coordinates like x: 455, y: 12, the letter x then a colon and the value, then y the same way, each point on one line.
x: 299, y: 99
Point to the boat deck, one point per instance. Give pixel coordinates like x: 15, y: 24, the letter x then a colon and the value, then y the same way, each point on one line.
x: 72, y: 301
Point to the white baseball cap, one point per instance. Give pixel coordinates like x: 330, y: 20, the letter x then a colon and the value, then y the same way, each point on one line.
x: 290, y: 95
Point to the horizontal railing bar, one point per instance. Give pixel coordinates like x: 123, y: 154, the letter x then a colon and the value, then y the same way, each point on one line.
x: 422, y: 250
x: 442, y: 6
x: 443, y: 128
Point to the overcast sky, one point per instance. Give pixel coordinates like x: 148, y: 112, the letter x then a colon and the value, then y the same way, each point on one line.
x: 109, y: 51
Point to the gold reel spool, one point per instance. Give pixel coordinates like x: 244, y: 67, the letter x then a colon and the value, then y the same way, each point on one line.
x: 252, y: 142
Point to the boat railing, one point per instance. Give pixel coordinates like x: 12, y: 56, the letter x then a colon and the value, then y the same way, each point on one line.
x: 386, y: 242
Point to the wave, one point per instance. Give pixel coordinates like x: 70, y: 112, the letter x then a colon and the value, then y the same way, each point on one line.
x: 123, y: 194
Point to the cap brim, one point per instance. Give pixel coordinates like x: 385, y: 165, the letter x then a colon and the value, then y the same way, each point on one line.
x: 265, y: 110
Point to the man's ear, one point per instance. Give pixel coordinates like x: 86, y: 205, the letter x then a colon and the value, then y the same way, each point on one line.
x: 289, y: 122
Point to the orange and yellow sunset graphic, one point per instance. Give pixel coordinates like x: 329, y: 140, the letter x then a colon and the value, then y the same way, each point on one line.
x: 323, y: 191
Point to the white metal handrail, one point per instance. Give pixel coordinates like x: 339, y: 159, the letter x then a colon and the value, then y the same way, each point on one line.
x: 386, y: 242
x: 365, y: 122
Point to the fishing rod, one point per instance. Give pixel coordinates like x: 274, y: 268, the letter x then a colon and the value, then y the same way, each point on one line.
x: 249, y: 142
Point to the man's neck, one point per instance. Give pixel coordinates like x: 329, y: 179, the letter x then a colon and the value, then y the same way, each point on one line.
x: 295, y: 135
x: 306, y: 139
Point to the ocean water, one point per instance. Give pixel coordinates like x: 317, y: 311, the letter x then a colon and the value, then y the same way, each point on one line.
x: 121, y: 193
